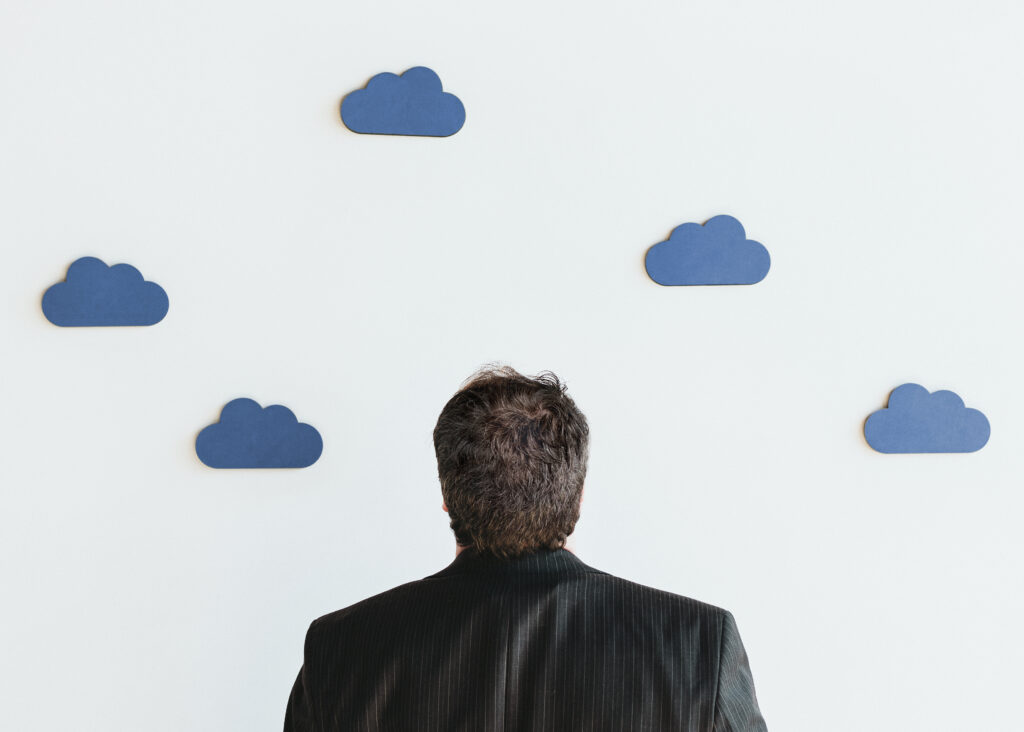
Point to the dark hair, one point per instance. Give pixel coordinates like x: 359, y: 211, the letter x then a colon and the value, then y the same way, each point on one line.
x: 511, y: 456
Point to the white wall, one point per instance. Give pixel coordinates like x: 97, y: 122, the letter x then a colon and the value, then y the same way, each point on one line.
x: 874, y: 148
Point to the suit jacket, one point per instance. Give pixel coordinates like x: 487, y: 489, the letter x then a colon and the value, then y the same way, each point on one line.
x: 542, y: 642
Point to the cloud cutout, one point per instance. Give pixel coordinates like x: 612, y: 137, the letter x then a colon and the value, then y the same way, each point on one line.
x: 94, y: 294
x: 917, y: 421
x: 715, y: 253
x: 410, y: 104
x: 251, y: 436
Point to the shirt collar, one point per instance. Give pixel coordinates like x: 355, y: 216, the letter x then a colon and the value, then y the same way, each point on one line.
x: 558, y: 562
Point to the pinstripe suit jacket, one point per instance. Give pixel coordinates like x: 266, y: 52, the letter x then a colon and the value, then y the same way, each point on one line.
x: 542, y: 642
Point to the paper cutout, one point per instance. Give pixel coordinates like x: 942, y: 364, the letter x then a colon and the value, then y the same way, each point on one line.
x: 410, y: 104
x: 715, y: 253
x: 916, y: 421
x: 251, y: 436
x: 94, y: 294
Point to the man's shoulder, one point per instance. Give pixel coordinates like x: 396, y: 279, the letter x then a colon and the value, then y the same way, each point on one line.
x: 369, y: 606
x: 594, y: 584
x: 648, y: 605
x: 661, y: 598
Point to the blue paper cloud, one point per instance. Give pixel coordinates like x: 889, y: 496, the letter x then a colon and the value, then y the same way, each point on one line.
x: 95, y: 294
x: 916, y: 421
x: 410, y: 104
x: 717, y: 253
x: 251, y: 436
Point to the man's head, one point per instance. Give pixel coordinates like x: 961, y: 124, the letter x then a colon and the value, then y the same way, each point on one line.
x: 511, y: 456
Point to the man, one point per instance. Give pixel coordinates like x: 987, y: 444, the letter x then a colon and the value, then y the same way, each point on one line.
x: 517, y: 633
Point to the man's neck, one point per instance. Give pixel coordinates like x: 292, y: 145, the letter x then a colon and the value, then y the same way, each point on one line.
x: 570, y: 546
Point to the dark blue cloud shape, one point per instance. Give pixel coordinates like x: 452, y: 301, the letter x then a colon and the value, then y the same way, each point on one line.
x: 251, y: 436
x: 410, y: 104
x: 715, y: 253
x: 95, y: 294
x: 916, y: 421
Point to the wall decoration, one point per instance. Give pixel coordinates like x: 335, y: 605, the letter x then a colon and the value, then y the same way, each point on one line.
x: 94, y: 294
x: 918, y: 421
x: 715, y: 253
x: 251, y: 436
x: 410, y: 104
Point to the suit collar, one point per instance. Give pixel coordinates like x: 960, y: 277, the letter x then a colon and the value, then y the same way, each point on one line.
x: 559, y: 562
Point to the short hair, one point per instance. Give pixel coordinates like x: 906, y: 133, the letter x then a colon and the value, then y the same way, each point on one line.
x: 511, y: 456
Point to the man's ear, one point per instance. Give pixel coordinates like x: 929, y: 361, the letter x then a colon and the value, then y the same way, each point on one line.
x: 444, y: 506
